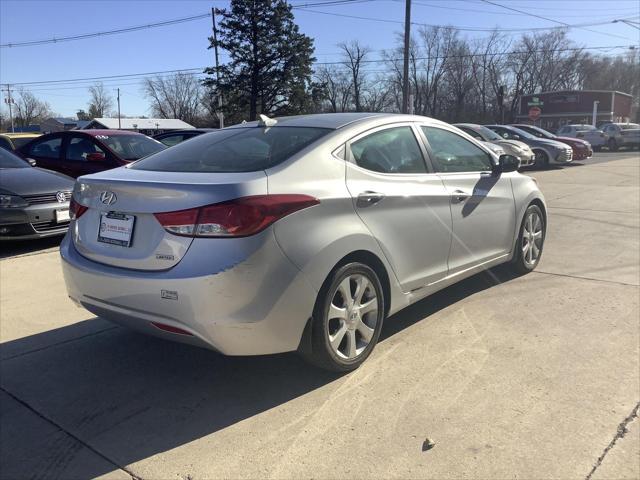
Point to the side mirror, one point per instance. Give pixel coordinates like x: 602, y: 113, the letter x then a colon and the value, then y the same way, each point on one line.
x: 506, y: 164
x: 31, y: 161
x: 95, y: 157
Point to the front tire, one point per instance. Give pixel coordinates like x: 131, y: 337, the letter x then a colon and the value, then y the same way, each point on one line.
x: 541, y: 159
x: 613, y: 145
x: 530, y: 241
x: 347, y: 319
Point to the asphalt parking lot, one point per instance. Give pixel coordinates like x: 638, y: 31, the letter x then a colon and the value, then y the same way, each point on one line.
x: 533, y: 377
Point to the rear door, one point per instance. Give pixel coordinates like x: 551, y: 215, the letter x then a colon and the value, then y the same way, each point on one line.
x: 482, y: 204
x: 405, y: 207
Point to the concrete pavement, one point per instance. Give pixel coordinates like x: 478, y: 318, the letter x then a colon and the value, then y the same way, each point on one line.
x: 528, y: 377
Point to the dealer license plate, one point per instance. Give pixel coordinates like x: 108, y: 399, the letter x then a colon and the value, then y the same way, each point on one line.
x: 116, y: 228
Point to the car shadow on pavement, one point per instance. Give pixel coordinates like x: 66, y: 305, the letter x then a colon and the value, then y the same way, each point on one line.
x: 130, y: 397
x: 10, y: 248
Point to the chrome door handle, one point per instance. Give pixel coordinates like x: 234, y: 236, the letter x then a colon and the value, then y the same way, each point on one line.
x: 458, y: 196
x: 366, y: 199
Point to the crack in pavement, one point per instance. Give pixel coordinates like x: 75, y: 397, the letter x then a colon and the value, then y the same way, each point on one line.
x: 67, y: 432
x: 578, y: 277
x: 620, y: 433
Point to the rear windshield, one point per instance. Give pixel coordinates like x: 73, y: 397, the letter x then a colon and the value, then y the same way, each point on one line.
x: 245, y: 149
x: 131, y: 147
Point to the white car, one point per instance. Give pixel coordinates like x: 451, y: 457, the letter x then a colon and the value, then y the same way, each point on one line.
x: 494, y: 141
x: 596, y: 137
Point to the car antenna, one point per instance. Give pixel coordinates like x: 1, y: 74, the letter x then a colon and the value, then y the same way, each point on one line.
x: 266, y: 122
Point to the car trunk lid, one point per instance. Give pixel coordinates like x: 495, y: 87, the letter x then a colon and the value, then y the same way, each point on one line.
x: 119, y: 227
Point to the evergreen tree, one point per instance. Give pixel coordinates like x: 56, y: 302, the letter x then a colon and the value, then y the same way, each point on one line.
x: 270, y: 61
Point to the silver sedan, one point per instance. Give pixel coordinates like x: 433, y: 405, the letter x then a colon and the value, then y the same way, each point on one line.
x: 297, y: 234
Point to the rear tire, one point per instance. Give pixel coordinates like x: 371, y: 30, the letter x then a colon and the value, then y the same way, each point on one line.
x: 528, y: 250
x: 347, y: 319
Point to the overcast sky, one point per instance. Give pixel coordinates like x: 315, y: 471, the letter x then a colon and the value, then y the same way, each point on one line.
x: 184, y: 45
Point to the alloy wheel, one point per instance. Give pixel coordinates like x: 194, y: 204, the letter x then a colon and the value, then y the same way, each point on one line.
x: 352, y: 316
x: 532, y: 238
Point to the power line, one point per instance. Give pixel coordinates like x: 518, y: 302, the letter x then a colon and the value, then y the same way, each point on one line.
x: 467, y: 29
x: 104, y: 33
x: 489, y: 2
x: 198, y: 71
x: 164, y: 23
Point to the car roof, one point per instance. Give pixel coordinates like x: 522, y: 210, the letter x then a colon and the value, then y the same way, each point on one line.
x: 20, y: 134
x: 97, y: 131
x: 468, y: 125
x: 338, y: 120
x: 186, y: 130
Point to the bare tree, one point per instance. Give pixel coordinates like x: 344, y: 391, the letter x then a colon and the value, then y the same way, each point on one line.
x: 29, y: 109
x: 100, y: 102
x: 336, y: 88
x: 354, y: 55
x: 177, y: 96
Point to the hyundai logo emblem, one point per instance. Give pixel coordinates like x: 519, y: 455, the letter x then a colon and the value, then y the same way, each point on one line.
x: 61, y: 197
x: 108, y: 198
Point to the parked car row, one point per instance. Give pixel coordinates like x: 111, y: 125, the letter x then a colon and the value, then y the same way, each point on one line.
x: 83, y: 152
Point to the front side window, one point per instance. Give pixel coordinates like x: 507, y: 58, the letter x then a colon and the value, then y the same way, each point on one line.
x: 46, y: 148
x: 452, y: 153
x: 79, y: 147
x: 243, y: 149
x: 393, y: 150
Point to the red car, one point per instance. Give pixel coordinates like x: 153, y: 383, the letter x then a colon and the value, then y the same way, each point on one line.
x: 80, y: 152
x: 581, y: 148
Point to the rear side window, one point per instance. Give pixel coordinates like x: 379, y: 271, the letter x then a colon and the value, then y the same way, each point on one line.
x: 394, y: 150
x: 246, y: 149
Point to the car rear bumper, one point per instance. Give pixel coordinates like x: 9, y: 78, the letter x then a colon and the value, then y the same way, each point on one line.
x: 36, y: 221
x: 259, y: 305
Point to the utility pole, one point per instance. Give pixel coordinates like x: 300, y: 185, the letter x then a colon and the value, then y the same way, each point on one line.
x: 215, y: 49
x: 9, y: 101
x: 405, y: 70
x: 119, y: 126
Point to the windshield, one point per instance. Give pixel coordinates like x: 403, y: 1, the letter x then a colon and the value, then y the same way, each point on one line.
x: 245, y: 149
x: 131, y: 147
x: 488, y: 133
x: 21, y: 141
x: 630, y: 126
x: 522, y: 133
x: 539, y: 132
x: 10, y: 160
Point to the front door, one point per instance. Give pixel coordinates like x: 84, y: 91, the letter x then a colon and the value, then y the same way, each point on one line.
x: 482, y: 204
x: 404, y: 206
x: 77, y: 160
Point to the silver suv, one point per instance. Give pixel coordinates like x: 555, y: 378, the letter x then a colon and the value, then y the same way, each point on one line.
x: 622, y: 135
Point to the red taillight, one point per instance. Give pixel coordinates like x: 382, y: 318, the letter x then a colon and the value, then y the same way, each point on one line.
x: 235, y: 218
x: 75, y: 209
